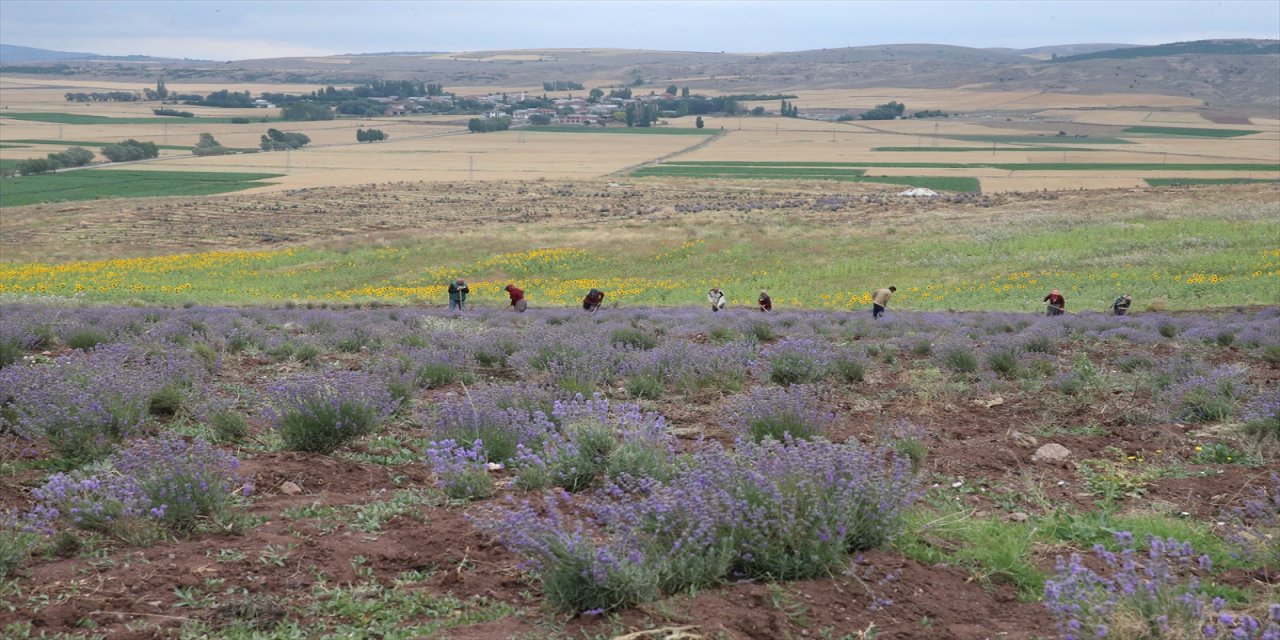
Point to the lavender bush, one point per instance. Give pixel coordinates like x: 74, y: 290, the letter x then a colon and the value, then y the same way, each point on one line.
x: 461, y: 472
x: 20, y: 533
x: 796, y: 412
x: 1208, y: 397
x: 1253, y: 528
x: 1156, y: 596
x: 778, y: 509
x: 320, y: 412
x: 798, y: 361
x: 165, y: 481
x: 503, y: 417
x: 86, y: 402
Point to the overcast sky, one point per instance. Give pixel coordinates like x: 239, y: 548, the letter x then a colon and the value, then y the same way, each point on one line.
x: 244, y: 29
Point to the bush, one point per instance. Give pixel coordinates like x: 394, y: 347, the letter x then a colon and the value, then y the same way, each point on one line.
x: 130, y: 150
x: 1153, y: 596
x: 633, y: 338
x: 850, y: 368
x: 172, y: 112
x: 780, y: 414
x: 960, y: 359
x: 461, y: 473
x: 165, y: 481
x: 229, y: 425
x: 1004, y: 362
x: 319, y: 413
x: 798, y: 361
x: 1209, y: 397
x: 86, y: 339
x: 776, y: 510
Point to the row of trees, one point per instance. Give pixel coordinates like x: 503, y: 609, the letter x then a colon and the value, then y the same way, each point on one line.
x: 173, y: 112
x: 891, y: 110
x: 73, y: 157
x: 789, y: 110
x: 131, y: 150
x: 370, y: 135
x: 306, y: 111
x: 277, y: 140
x: 103, y: 96
x: 485, y: 125
x: 562, y: 85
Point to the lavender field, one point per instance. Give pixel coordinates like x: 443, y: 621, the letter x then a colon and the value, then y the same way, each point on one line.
x: 395, y: 472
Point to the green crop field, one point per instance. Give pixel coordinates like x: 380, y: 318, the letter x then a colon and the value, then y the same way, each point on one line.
x: 1191, y: 131
x: 76, y: 118
x: 93, y: 184
x: 1037, y: 139
x: 625, y: 130
x: 1173, y: 182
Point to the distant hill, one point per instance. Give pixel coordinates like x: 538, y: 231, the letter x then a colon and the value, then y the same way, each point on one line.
x: 1196, y: 47
x: 1060, y: 50
x: 12, y: 53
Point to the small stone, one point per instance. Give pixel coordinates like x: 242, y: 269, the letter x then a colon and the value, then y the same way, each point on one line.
x: 290, y: 489
x: 1023, y: 440
x: 1018, y: 516
x: 1052, y: 452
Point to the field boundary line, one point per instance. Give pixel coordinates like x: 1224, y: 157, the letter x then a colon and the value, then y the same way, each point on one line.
x: 659, y: 160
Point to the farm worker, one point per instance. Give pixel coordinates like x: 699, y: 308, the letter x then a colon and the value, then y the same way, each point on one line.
x: 880, y: 300
x: 716, y: 297
x: 765, y: 302
x: 1121, y: 305
x: 593, y: 300
x: 458, y: 291
x: 1056, y: 303
x: 518, y: 302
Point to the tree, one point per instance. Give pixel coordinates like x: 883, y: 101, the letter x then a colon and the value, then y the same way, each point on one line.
x: 887, y: 111
x: 699, y: 123
x: 672, y: 89
x: 130, y: 150
x: 540, y: 119
x: 305, y: 111
x: 758, y: 111
x: 684, y: 93
x: 631, y: 115
x: 208, y: 146
x: 595, y: 95
x: 370, y: 135
x: 276, y: 140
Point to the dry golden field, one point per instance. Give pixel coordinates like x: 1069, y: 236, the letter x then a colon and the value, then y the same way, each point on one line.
x: 1003, y: 127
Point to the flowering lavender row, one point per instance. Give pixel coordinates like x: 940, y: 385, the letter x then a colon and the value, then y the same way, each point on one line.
x: 779, y: 509
x: 320, y: 411
x: 1156, y: 595
x: 83, y: 403
x: 166, y: 481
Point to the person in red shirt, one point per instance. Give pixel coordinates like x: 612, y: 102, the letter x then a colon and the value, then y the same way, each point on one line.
x: 517, y: 298
x: 1055, y: 303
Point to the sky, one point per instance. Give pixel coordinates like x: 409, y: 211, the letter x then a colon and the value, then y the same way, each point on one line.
x: 247, y: 29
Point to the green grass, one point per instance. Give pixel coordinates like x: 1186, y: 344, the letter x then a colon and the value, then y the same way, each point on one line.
x: 669, y: 131
x: 1172, y: 182
x: 947, y: 265
x: 94, y: 184
x: 1200, y: 132
x: 77, y: 118
x: 12, y: 146
x: 7, y: 163
x: 1037, y: 139
x: 87, y: 143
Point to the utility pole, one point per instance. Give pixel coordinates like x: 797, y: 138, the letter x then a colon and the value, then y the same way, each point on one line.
x: 288, y: 160
x: 471, y: 167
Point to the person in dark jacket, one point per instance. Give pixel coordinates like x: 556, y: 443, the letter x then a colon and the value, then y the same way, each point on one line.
x: 1055, y: 304
x: 458, y: 291
x: 592, y: 302
x: 765, y: 302
x: 1121, y: 305
x: 518, y: 303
